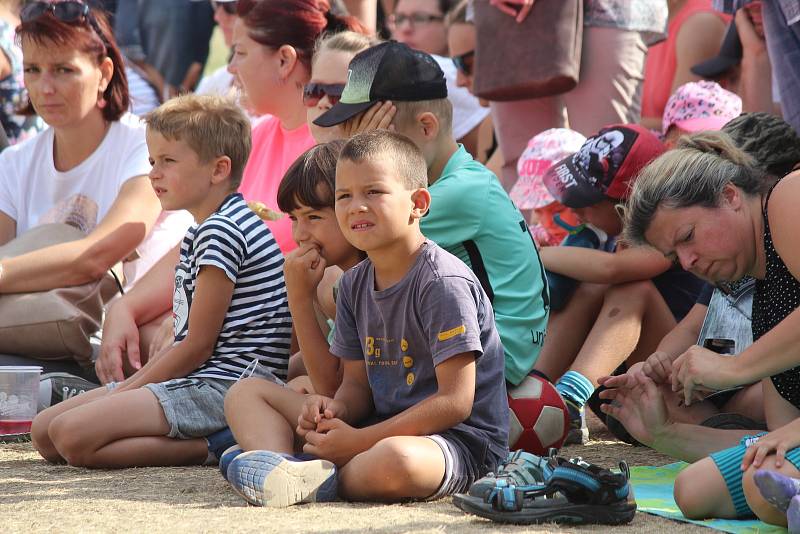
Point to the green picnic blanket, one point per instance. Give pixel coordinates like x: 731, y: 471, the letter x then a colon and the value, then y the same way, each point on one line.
x: 653, y: 489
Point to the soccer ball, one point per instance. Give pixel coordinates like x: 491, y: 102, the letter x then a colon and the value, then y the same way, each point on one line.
x: 538, y: 417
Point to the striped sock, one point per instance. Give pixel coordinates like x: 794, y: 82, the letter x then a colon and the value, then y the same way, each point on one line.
x: 575, y: 387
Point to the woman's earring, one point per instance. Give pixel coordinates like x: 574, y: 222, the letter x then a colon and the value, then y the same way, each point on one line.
x: 101, y: 101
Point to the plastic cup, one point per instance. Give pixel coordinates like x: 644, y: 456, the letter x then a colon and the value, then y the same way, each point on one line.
x: 19, y: 396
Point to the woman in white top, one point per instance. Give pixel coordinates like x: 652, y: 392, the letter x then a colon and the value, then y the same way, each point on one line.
x: 89, y: 169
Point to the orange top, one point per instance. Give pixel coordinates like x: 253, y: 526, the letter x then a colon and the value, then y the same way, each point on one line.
x: 659, y: 70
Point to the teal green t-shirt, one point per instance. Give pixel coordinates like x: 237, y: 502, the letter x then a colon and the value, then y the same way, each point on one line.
x: 472, y: 217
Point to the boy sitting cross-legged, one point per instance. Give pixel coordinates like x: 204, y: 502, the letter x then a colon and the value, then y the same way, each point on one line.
x: 422, y: 409
x: 229, y: 306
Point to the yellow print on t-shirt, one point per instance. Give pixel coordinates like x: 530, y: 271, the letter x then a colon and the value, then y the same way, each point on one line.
x: 453, y: 332
x: 374, y: 348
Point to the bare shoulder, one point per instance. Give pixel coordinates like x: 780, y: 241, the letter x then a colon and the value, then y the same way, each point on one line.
x: 782, y: 213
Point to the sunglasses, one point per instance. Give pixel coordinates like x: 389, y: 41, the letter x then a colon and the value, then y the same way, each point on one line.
x: 415, y: 19
x: 65, y: 11
x: 313, y: 93
x: 228, y: 7
x: 464, y: 62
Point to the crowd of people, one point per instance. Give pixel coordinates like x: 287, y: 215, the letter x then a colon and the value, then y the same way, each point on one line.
x: 376, y: 252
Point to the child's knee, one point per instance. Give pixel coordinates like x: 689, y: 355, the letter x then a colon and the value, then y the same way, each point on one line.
x: 40, y: 437
x: 377, y: 472
x: 69, y: 439
x: 689, y: 495
x: 242, y: 392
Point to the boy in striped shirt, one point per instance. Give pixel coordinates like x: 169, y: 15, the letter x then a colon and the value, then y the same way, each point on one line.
x: 230, y: 307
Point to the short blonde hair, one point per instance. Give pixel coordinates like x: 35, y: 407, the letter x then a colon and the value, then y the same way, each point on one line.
x: 407, y: 113
x: 346, y: 41
x: 405, y: 156
x: 212, y: 126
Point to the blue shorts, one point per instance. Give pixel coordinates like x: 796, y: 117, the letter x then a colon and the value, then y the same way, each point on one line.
x: 729, y: 463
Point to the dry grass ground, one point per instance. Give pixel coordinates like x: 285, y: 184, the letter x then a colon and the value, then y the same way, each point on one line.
x: 38, y: 497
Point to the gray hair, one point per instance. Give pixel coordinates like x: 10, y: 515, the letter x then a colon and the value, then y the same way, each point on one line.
x: 693, y: 174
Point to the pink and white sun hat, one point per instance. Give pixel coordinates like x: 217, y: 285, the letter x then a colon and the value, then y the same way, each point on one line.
x: 698, y: 106
x: 543, y: 151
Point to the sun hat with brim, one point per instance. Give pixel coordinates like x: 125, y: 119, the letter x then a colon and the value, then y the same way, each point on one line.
x: 544, y: 149
x: 699, y: 106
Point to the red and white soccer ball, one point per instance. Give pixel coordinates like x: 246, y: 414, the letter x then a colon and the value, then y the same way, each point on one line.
x: 538, y: 417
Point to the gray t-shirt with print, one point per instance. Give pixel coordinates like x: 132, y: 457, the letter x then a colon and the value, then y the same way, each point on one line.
x: 437, y: 311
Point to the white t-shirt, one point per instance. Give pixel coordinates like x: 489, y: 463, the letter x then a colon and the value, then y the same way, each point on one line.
x: 218, y: 83
x: 467, y: 110
x: 33, y: 192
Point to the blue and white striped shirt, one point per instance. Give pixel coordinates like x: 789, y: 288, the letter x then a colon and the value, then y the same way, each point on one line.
x: 257, y: 325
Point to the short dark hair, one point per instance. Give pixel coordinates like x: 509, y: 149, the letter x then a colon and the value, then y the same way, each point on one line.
x: 311, y: 179
x: 406, y: 157
x: 83, y: 37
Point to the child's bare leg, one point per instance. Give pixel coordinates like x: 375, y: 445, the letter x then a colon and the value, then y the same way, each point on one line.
x: 396, y: 468
x: 700, y: 492
x: 633, y: 320
x: 263, y: 415
x: 126, y: 429
x: 763, y: 509
x: 41, y: 423
x: 567, y: 330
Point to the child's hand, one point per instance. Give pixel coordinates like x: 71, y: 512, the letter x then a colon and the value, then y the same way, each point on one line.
x: 378, y: 117
x: 315, y: 409
x: 303, y: 270
x: 334, y: 440
x: 778, y: 441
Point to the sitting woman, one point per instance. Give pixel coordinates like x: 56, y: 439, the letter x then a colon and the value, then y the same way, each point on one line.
x: 708, y: 207
x: 88, y: 170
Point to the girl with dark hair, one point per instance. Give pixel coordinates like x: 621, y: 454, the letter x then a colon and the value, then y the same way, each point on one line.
x: 273, y: 42
x: 89, y: 169
x: 306, y: 194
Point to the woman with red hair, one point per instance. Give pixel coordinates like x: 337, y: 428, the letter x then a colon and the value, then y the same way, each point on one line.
x: 89, y: 169
x: 273, y: 41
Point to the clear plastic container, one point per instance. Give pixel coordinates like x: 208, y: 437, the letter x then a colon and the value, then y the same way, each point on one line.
x: 19, y: 394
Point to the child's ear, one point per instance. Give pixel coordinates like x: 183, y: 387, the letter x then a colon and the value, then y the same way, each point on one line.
x: 222, y: 169
x: 422, y: 202
x: 430, y: 125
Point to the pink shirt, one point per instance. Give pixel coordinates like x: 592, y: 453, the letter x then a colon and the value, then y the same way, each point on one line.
x: 274, y: 150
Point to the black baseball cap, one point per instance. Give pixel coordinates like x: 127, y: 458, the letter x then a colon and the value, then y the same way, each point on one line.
x: 730, y: 55
x: 388, y: 71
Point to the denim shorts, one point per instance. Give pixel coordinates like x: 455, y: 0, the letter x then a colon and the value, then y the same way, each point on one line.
x: 194, y: 407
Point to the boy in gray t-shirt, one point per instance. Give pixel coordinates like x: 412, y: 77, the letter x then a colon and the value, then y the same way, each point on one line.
x: 422, y: 410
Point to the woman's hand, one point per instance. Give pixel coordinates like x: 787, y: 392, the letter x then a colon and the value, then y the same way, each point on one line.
x: 778, y: 441
x: 700, y: 369
x: 518, y: 9
x: 378, y: 117
x: 120, y: 340
x: 640, y: 408
x: 163, y: 339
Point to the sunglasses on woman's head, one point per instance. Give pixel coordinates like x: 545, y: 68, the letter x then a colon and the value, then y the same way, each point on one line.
x: 313, y: 93
x: 228, y: 7
x: 65, y: 11
x: 464, y: 62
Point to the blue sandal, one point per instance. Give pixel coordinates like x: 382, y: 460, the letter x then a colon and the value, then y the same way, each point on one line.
x: 576, y: 493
